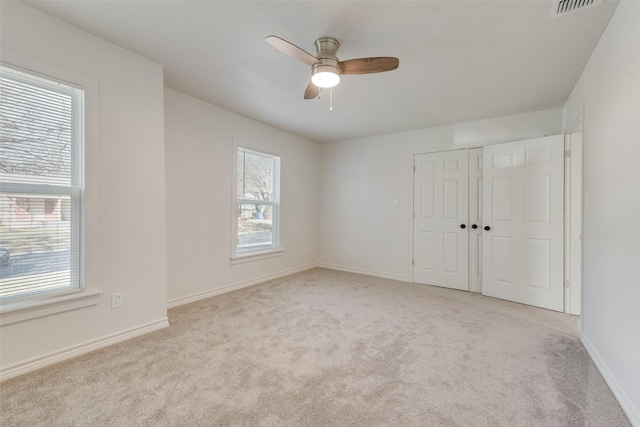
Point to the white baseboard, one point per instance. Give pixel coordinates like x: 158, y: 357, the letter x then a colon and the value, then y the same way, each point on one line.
x: 365, y: 272
x: 632, y: 412
x: 77, y: 350
x: 235, y: 286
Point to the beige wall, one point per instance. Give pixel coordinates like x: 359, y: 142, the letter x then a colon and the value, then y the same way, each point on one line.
x: 125, y: 180
x: 337, y: 199
x: 360, y: 228
x: 199, y: 141
x: 609, y: 90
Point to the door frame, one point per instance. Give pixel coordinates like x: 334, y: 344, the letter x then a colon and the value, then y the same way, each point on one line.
x: 475, y: 205
x: 574, y: 137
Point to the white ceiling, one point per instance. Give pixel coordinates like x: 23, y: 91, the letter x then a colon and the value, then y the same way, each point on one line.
x: 459, y: 60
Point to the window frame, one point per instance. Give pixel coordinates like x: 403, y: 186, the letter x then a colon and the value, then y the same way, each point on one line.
x: 74, y: 190
x: 258, y: 252
x: 86, y: 260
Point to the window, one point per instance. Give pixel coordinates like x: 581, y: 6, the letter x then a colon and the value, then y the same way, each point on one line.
x: 257, y: 197
x: 41, y: 185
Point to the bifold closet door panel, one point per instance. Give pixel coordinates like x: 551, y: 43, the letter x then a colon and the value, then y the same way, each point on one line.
x: 523, y: 222
x: 441, y: 203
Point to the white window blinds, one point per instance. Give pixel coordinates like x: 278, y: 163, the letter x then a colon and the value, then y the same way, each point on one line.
x: 41, y: 185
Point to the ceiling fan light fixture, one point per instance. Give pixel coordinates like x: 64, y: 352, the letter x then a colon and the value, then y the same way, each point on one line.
x: 325, y: 76
x: 326, y: 68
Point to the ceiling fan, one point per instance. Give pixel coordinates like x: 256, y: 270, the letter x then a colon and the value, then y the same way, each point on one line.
x: 326, y: 68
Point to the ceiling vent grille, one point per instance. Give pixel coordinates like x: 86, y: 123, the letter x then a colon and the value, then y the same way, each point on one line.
x: 565, y: 7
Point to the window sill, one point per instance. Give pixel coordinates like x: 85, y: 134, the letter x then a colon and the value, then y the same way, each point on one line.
x: 18, y: 312
x: 256, y: 256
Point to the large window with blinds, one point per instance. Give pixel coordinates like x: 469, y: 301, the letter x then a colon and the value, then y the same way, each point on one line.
x: 257, y: 197
x: 41, y: 185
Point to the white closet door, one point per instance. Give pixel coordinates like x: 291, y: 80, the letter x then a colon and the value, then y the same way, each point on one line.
x: 523, y: 229
x: 475, y: 220
x: 441, y: 213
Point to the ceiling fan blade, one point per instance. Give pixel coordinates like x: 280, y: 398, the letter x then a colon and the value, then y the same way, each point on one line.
x: 369, y: 65
x: 312, y: 91
x: 291, y: 50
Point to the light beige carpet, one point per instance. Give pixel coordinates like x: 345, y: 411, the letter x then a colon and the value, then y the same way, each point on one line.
x: 326, y: 348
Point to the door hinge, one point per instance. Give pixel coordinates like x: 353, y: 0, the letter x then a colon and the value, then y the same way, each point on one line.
x: 414, y: 215
x: 567, y: 284
x: 413, y: 262
x: 567, y: 153
x: 414, y: 168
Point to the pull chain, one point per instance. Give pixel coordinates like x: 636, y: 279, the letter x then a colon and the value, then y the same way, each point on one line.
x: 331, y: 99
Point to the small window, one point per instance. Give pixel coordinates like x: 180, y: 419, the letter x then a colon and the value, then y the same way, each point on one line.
x: 257, y: 201
x: 41, y: 185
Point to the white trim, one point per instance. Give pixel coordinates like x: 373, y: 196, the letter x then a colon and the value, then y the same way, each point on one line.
x: 47, y: 107
x: 249, y: 256
x: 23, y: 310
x: 235, y: 201
x: 90, y: 237
x: 235, y: 286
x: 575, y: 202
x: 411, y: 213
x: 77, y: 350
x: 477, y: 144
x: 633, y: 412
x: 365, y: 272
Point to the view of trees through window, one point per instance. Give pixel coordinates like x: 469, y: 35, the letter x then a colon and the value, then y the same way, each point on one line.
x: 257, y: 201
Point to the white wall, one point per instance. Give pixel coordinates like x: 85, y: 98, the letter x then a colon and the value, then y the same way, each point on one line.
x: 609, y: 89
x: 125, y: 235
x: 349, y: 213
x: 199, y: 180
x: 360, y: 229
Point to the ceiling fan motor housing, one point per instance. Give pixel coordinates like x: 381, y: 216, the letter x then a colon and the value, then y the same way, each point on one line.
x: 326, y: 48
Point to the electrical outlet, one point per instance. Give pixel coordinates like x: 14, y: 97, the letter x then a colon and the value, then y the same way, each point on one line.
x: 116, y: 300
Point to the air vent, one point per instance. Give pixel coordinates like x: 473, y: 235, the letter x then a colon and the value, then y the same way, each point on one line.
x: 565, y: 7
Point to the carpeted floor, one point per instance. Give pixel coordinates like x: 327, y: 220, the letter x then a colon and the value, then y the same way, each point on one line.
x: 326, y: 348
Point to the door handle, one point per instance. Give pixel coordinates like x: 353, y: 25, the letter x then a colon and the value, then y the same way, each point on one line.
x: 487, y: 228
x: 474, y: 226
x: 463, y: 226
